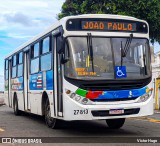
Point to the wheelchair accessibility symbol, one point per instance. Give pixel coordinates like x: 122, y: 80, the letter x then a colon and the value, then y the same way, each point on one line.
x: 120, y: 71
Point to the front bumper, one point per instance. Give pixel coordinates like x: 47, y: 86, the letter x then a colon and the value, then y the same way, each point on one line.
x: 77, y: 111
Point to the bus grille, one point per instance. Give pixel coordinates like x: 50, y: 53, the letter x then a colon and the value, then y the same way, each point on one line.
x: 112, y: 86
x: 105, y: 113
x: 115, y: 99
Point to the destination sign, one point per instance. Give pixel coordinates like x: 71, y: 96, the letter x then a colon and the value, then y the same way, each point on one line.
x: 105, y: 25
x: 98, y: 24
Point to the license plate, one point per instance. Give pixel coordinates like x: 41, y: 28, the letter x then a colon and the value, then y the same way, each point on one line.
x: 116, y: 111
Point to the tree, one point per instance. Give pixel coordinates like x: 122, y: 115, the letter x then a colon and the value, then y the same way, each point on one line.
x: 148, y: 10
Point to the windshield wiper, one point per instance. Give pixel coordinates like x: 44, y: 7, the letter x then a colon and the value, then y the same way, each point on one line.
x: 90, y: 49
x: 126, y: 47
x: 144, y: 60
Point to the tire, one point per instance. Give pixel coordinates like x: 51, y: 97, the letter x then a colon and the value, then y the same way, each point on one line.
x: 115, y: 123
x: 50, y: 121
x: 17, y: 112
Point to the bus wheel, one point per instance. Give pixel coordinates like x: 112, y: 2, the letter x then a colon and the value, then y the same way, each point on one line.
x: 115, y: 123
x: 50, y: 121
x: 15, y: 107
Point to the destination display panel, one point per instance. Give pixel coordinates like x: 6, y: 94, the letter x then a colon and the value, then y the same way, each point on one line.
x: 106, y: 25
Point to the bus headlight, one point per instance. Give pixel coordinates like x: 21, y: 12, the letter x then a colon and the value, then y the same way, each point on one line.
x: 73, y: 95
x: 144, y: 97
x: 78, y: 98
x: 150, y: 92
x: 84, y: 101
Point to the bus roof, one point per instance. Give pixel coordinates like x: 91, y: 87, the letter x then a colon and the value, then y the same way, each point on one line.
x: 62, y: 22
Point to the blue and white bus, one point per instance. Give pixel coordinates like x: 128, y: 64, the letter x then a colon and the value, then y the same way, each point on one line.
x: 85, y: 67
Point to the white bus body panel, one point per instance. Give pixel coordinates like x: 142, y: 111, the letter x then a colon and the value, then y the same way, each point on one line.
x: 70, y: 106
x: 35, y: 98
x: 20, y: 100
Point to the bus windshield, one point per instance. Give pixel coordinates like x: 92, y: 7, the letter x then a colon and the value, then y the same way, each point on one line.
x: 106, y: 57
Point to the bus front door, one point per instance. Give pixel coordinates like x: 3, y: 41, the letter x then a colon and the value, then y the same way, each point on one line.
x: 59, y: 84
x: 26, y: 81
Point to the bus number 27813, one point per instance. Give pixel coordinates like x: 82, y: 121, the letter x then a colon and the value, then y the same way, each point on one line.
x: 81, y: 112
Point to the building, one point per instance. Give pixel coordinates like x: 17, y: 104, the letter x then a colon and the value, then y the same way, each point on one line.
x: 156, y: 65
x: 155, y: 58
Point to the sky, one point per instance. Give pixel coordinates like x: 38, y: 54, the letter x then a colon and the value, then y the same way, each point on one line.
x: 21, y: 20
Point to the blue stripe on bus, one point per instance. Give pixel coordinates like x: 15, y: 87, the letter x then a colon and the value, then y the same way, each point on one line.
x: 36, y: 81
x: 133, y: 93
x: 49, y: 80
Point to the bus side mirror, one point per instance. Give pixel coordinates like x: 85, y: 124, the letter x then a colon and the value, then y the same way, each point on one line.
x: 63, y: 60
x: 60, y: 44
x: 65, y: 55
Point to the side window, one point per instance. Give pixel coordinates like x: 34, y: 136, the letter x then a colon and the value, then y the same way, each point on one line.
x: 20, y: 70
x: 14, y: 62
x: 46, y: 62
x: 6, y: 70
x: 46, y: 45
x: 6, y: 64
x: 36, y: 50
x: 46, y: 54
x: 14, y: 67
x: 6, y: 74
x: 34, y: 65
x: 14, y: 72
x: 20, y: 64
x: 35, y: 58
x: 20, y: 56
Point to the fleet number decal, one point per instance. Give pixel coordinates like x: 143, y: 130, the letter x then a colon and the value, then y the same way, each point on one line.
x: 81, y: 112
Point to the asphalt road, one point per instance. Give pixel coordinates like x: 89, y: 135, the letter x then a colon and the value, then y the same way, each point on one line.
x: 34, y: 126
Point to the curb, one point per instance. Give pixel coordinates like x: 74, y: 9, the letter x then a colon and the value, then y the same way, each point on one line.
x: 157, y: 111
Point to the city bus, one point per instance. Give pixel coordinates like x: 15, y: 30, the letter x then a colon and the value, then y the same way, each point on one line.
x: 84, y: 67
